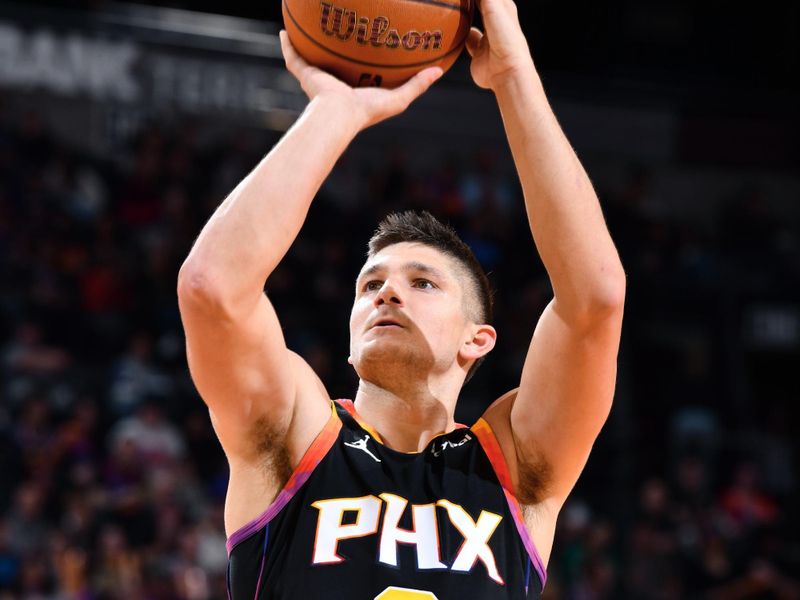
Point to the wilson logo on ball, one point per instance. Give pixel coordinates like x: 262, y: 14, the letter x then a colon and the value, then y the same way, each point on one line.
x: 344, y: 23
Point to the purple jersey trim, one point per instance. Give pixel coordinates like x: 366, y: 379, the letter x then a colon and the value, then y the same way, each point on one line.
x: 315, y: 453
x: 263, y: 562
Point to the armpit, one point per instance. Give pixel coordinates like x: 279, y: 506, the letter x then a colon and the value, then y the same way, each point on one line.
x: 269, y: 441
x: 534, y: 475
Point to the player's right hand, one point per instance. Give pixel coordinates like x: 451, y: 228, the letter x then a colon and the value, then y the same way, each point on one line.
x: 367, y: 106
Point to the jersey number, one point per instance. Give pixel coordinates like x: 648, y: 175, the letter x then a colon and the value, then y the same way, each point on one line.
x: 396, y: 593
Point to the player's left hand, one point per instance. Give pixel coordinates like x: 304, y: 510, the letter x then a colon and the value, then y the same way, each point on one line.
x: 364, y: 106
x: 502, y: 50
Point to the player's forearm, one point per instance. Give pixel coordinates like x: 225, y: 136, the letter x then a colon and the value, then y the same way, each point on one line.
x: 563, y: 210
x: 251, y: 231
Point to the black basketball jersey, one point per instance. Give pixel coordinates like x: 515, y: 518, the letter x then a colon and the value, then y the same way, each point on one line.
x: 360, y: 521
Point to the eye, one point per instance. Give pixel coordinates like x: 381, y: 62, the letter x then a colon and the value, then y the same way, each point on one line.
x: 373, y: 285
x: 424, y: 284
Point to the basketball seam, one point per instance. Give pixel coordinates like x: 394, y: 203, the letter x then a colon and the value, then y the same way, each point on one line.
x: 442, y: 5
x: 458, y: 47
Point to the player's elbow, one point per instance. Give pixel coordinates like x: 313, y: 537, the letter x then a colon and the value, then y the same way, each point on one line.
x: 602, y: 301
x: 609, y: 294
x: 198, y: 288
x: 606, y: 304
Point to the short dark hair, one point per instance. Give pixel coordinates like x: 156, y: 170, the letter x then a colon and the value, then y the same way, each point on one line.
x: 423, y: 228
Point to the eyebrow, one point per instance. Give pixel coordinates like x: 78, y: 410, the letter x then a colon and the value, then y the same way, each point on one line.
x: 409, y: 266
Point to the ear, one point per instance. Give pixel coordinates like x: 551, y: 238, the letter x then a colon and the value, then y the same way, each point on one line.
x: 479, y: 344
x: 349, y: 360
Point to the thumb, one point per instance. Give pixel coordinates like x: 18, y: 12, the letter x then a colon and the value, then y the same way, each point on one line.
x: 473, y: 40
x: 294, y: 62
x: 416, y: 86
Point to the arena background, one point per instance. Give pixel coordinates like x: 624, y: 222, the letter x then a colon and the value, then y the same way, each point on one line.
x: 123, y: 126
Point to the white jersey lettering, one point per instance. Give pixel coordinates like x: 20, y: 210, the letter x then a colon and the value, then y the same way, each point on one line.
x: 476, y: 539
x: 330, y: 530
x: 424, y: 536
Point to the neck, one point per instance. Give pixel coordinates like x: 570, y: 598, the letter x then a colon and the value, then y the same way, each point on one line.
x: 407, y: 420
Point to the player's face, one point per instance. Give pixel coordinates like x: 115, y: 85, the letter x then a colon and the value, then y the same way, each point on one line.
x: 408, y: 313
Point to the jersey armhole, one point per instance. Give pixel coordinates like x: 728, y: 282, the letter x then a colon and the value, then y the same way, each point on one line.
x: 494, y: 453
x: 316, y: 452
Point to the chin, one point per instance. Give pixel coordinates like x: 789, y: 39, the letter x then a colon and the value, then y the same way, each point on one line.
x: 381, y: 360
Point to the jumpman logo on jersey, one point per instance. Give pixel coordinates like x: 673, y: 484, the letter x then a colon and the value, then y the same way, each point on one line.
x: 362, y: 445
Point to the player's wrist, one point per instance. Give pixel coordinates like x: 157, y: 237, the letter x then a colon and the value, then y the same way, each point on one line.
x: 340, y: 111
x: 518, y: 77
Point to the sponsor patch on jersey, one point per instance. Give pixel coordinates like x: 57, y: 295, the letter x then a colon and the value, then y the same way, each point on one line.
x: 439, y: 447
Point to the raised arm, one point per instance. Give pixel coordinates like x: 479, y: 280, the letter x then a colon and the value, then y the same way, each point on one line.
x: 262, y: 396
x: 568, y: 379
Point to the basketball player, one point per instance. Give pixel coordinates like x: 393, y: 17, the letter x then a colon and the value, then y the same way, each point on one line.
x: 386, y: 497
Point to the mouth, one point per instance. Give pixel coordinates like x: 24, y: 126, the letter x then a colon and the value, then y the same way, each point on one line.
x: 386, y: 323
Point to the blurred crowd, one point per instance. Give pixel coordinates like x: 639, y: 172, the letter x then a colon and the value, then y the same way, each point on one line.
x: 112, y: 482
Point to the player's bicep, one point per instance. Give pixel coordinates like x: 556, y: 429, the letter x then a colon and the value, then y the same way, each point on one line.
x: 241, y: 368
x: 565, y: 395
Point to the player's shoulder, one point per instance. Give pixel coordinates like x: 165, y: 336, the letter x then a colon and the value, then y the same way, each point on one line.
x: 525, y: 465
x: 498, y: 414
x: 269, y: 433
x: 498, y: 418
x: 312, y: 407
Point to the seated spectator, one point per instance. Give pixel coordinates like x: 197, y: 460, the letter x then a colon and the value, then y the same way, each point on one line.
x: 155, y: 439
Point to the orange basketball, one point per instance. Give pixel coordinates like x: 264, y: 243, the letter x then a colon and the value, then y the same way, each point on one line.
x: 378, y: 42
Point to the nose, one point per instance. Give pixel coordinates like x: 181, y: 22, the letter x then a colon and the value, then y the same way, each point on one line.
x: 387, y: 295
